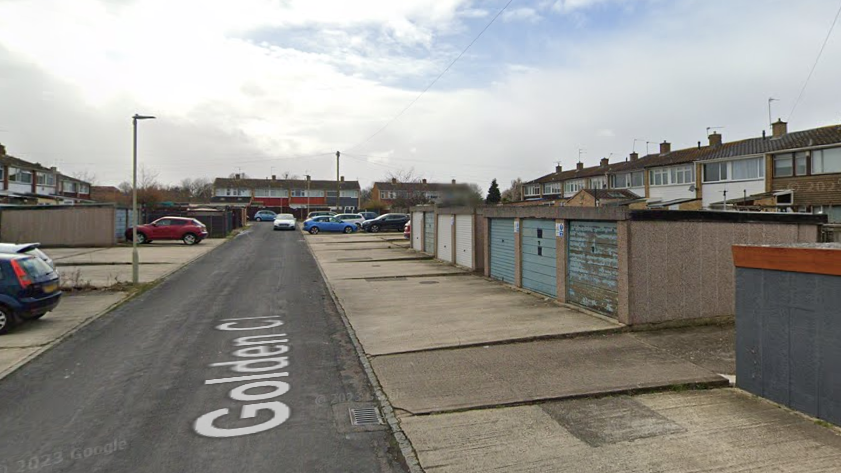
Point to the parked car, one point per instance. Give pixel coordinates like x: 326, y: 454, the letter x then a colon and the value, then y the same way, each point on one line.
x: 29, y: 288
x: 407, y: 230
x: 320, y: 213
x: 284, y: 222
x: 385, y: 222
x: 351, y: 218
x: 30, y: 249
x: 264, y: 216
x: 369, y: 215
x: 327, y: 223
x: 188, y: 230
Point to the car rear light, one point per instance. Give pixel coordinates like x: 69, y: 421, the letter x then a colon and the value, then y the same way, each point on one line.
x: 23, y: 278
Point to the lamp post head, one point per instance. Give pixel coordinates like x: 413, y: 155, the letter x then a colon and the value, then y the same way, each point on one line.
x: 142, y: 117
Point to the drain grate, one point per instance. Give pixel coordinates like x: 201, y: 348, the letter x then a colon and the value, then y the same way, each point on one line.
x: 365, y: 416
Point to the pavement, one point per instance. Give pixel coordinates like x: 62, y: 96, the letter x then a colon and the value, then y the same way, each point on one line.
x: 239, y: 362
x: 483, y: 377
x: 106, y: 267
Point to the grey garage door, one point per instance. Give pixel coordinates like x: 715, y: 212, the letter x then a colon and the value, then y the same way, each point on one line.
x: 429, y: 232
x: 539, y: 257
x: 502, y: 249
x: 593, y: 266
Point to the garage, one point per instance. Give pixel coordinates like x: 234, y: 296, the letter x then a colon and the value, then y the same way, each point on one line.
x: 444, y: 239
x: 539, y: 257
x: 429, y: 232
x: 464, y: 241
x: 417, y: 231
x: 593, y: 266
x: 502, y: 249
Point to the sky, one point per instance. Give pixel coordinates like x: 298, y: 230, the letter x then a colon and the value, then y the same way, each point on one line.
x: 271, y: 87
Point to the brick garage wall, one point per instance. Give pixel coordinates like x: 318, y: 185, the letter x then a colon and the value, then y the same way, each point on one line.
x: 683, y: 270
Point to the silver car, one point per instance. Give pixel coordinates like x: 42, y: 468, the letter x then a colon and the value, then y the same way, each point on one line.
x: 27, y: 249
x: 284, y: 222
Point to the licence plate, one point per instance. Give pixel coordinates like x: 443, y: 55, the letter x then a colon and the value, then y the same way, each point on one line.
x: 51, y: 287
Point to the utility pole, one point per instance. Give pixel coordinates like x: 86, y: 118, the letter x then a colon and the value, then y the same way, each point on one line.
x: 338, y: 185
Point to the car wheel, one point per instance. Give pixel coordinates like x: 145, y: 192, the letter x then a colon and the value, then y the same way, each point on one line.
x: 190, y: 239
x: 314, y: 231
x: 258, y: 219
x: 348, y: 230
x: 7, y: 320
x: 141, y: 238
x: 375, y: 228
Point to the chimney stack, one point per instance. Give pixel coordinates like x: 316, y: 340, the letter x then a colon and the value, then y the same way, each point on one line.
x: 454, y: 182
x: 579, y: 166
x: 558, y: 169
x: 423, y: 180
x: 394, y: 180
x: 635, y: 156
x: 715, y: 139
x: 274, y: 177
x: 604, y: 162
x: 342, y: 179
x: 665, y: 147
x: 779, y: 128
x: 236, y: 176
x: 2, y: 150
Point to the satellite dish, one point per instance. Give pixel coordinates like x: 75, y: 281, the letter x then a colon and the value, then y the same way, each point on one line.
x: 692, y: 188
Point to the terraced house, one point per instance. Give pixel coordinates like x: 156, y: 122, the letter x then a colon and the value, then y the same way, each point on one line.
x: 289, y: 193
x: 411, y: 193
x: 26, y: 183
x: 787, y: 171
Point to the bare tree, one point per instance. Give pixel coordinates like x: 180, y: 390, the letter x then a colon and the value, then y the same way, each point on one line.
x: 86, y: 176
x: 403, y: 175
x: 515, y: 192
x: 289, y: 176
x: 201, y: 189
x: 125, y: 187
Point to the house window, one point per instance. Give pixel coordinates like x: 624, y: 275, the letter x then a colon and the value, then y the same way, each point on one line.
x: 316, y: 193
x: 331, y: 194
x: 43, y: 179
x: 262, y: 192
x: 715, y: 172
x: 68, y: 186
x: 552, y: 188
x: 800, y: 167
x: 19, y: 175
x: 299, y: 193
x: 84, y: 189
x: 2, y: 172
x: 826, y: 161
x: 598, y: 182
x: 627, y: 179
x: 658, y: 177
x: 571, y: 187
x: 352, y: 194
x: 532, y: 190
x: 388, y: 195
x: 682, y: 175
x: 279, y: 193
x: 783, y: 165
x: 741, y: 170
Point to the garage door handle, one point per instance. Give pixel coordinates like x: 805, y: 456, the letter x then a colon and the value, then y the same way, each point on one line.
x: 594, y: 247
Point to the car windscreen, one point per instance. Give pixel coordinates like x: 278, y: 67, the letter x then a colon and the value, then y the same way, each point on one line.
x: 285, y: 216
x: 36, y: 268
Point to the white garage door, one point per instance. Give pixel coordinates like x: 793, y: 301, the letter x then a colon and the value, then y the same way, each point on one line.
x: 464, y: 241
x: 445, y: 238
x: 417, y: 231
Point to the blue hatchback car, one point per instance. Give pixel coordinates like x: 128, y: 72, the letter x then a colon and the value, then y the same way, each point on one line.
x: 29, y: 288
x: 327, y: 223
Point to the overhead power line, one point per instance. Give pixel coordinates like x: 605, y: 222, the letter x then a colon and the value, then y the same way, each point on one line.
x: 434, y: 80
x: 809, y: 77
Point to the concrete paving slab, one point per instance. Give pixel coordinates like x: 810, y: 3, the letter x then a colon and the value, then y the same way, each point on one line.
x: 58, y: 254
x: 71, y: 312
x: 720, y: 430
x: 155, y: 252
x: 388, y: 269
x: 373, y: 254
x: 438, y: 312
x: 712, y: 347
x: 469, y: 378
x: 10, y: 357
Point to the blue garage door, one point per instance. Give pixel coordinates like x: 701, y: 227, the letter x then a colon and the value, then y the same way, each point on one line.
x: 502, y: 249
x: 593, y: 266
x: 539, y: 257
x: 429, y: 232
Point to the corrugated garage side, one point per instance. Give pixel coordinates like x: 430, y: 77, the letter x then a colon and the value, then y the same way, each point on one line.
x: 502, y: 249
x: 593, y: 266
x: 417, y: 231
x: 444, y: 239
x: 464, y: 241
x: 539, y: 256
x: 429, y: 232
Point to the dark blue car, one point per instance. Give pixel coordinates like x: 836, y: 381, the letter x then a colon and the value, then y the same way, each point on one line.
x: 29, y: 288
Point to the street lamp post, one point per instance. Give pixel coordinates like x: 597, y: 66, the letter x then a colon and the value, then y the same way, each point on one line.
x: 135, y: 261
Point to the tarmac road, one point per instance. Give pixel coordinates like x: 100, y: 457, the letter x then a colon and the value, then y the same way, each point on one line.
x: 170, y: 381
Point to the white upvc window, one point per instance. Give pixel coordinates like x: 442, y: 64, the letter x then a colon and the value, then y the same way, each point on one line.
x: 672, y: 176
x: 299, y: 193
x: 531, y: 190
x: 826, y: 161
x: 352, y: 194
x: 627, y: 180
x: 237, y: 192
x: 84, y: 189
x: 20, y: 175
x: 388, y: 195
x: 571, y: 187
x: 552, y: 188
x: 279, y: 193
x: 598, y: 182
x: 739, y: 170
x: 262, y: 192
x: 68, y: 186
x: 44, y: 179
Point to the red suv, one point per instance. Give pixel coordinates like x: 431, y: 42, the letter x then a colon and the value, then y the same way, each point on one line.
x: 189, y: 230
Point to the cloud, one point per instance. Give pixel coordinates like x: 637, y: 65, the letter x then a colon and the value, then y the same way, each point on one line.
x: 521, y: 14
